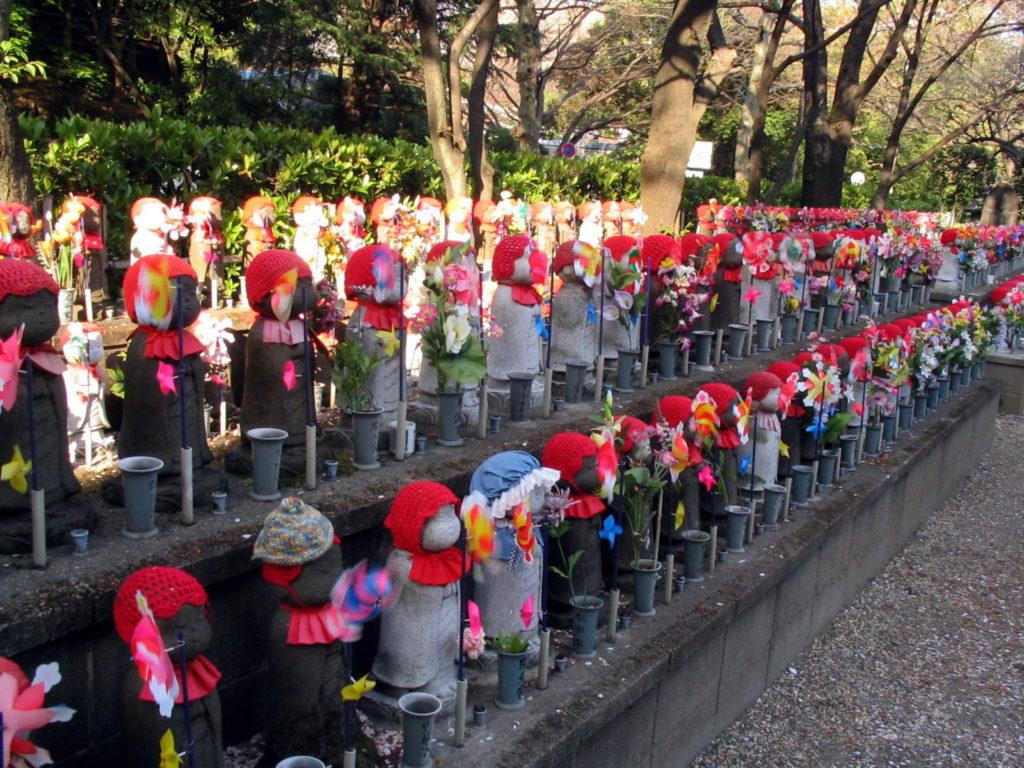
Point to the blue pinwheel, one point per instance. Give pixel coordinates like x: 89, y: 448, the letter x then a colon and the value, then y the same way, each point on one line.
x: 610, y: 530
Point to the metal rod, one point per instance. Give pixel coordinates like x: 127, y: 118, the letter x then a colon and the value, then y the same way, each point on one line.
x: 400, y: 416
x: 183, y: 667
x: 187, y: 509
x: 670, y: 569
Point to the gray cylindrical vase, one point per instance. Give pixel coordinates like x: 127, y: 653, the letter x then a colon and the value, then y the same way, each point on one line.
x: 764, y: 334
x: 449, y: 411
x: 694, y: 546
x: 645, y: 578
x: 848, y: 451
x: 954, y: 382
x: 831, y: 318
x: 810, y: 321
x: 933, y: 396
x: 301, y: 761
x: 774, y: 496
x: 888, y: 427
x: 418, y: 713
x: 737, y: 531
x: 827, y: 468
x: 511, y: 668
x: 266, y: 444
x: 916, y: 294
x: 976, y: 371
x: 801, y: 488
x: 737, y: 340
x: 365, y: 435
x: 873, y: 439
x: 788, y: 328
x: 702, y: 349
x: 139, y: 478
x: 585, y: 612
x: 520, y: 390
x: 906, y: 415
x: 80, y: 541
x: 943, y: 388
x: 575, y: 373
x: 920, y: 405
x: 667, y: 352
x: 624, y: 370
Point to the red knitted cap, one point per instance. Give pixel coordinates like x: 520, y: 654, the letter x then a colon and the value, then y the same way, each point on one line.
x: 165, y: 589
x: 21, y: 277
x: 359, y: 270
x: 831, y: 353
x: 948, y: 236
x: 890, y: 331
x: 675, y: 409
x: 253, y: 204
x: 761, y: 383
x: 505, y: 255
x: 619, y: 246
x: 175, y: 268
x: 141, y: 203
x: 303, y: 202
x: 802, y: 358
x: 853, y: 345
x: 692, y: 242
x: 15, y: 208
x: 905, y: 323
x: 631, y: 427
x: 565, y: 452
x: 413, y: 506
x: 439, y: 250
x: 724, y: 240
x: 783, y: 369
x: 565, y: 255
x: 821, y: 239
x: 722, y: 394
x: 657, y: 248
x: 9, y: 667
x: 264, y: 270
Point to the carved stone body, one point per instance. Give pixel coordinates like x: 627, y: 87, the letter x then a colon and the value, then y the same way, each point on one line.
x: 519, y: 348
x: 574, y: 326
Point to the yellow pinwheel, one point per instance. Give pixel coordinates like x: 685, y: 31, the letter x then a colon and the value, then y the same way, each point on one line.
x: 16, y: 471
x: 169, y: 757
x: 680, y: 454
x: 354, y: 691
x: 390, y: 343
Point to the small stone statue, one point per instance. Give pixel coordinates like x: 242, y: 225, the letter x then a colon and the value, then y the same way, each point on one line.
x: 823, y: 251
x: 349, y: 221
x: 765, y: 389
x: 258, y: 215
x: 514, y: 485
x: 565, y: 221
x: 624, y: 331
x: 611, y: 218
x: 21, y: 227
x: 459, y: 211
x: 518, y: 268
x: 542, y: 221
x: 790, y: 429
x: 574, y: 314
x: 302, y: 560
x: 676, y: 410
x: 278, y: 284
x: 82, y: 347
x: 206, y: 246
x: 728, y: 282
x: 28, y: 305
x: 373, y: 278
x: 310, y: 221
x: 574, y: 456
x: 762, y: 264
x: 732, y: 433
x: 91, y: 225
x: 150, y: 218
x: 420, y: 633
x: 633, y: 219
x: 591, y: 229
x: 153, y: 390
x: 178, y: 602
x: 385, y: 214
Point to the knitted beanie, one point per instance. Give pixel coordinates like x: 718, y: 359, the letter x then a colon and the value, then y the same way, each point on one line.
x: 777, y: 238
x: 165, y: 589
x: 905, y: 323
x: 23, y: 278
x: 890, y: 331
x: 724, y: 241
x: 619, y: 246
x: 783, y: 369
x: 359, y: 270
x: 853, y: 345
x: 175, y: 268
x: 303, y: 202
x: 267, y: 266
x: 565, y: 255
x: 438, y: 251
x: 142, y: 202
x: 691, y: 243
x: 654, y: 249
x: 87, y: 202
x: 949, y: 236
x: 803, y: 358
x: 412, y: 507
x: 761, y: 383
x: 822, y: 239
x: 505, y: 255
x: 293, y: 534
x: 832, y: 353
x: 565, y: 452
x: 722, y: 394
x: 8, y: 667
x: 253, y: 204
x: 631, y: 429
x: 675, y: 409
x: 481, y: 210
x: 202, y: 205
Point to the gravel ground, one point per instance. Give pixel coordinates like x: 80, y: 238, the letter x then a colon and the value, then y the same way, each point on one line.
x: 926, y: 667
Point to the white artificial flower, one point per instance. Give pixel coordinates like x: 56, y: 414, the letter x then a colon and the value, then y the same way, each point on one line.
x: 456, y: 331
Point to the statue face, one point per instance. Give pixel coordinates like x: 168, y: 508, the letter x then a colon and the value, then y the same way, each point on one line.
x: 536, y: 498
x: 303, y: 293
x: 38, y: 313
x: 521, y: 270
x: 314, y: 584
x: 192, y: 621
x: 771, y: 400
x: 641, y: 451
x: 22, y: 224
x: 151, y: 217
x: 442, y: 530
x: 91, y: 221
x: 586, y: 478
x: 190, y: 301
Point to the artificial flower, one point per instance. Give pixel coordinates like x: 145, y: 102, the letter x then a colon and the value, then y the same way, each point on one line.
x: 355, y: 690
x: 456, y: 331
x: 16, y: 472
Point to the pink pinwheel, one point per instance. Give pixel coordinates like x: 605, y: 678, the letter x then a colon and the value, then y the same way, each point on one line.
x: 752, y: 294
x: 786, y: 287
x: 152, y: 660
x: 538, y: 264
x: 526, y: 612
x: 860, y: 367
x: 384, y: 272
x: 787, y: 391
x: 607, y: 463
x: 165, y: 378
x: 288, y: 375
x: 473, y: 642
x: 22, y: 711
x: 10, y: 364
x: 359, y: 595
x: 707, y: 478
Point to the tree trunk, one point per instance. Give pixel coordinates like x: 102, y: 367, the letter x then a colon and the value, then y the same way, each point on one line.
x: 528, y: 75
x: 481, y: 171
x: 815, y: 106
x: 673, y: 128
x: 15, y: 172
x: 750, y: 105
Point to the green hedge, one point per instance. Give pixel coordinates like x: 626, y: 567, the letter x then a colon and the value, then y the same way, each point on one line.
x: 171, y: 158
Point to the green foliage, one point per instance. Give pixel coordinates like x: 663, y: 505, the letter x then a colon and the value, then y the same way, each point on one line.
x: 837, y: 423
x: 510, y: 642
x: 351, y: 371
x: 557, y: 532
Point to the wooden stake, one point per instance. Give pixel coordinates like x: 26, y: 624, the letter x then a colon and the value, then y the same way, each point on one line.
x: 598, y: 378
x: 718, y: 348
x: 481, y: 426
x: 38, y: 528
x: 400, y: 432
x: 546, y: 404
x: 613, y: 612
x: 713, y: 549
x: 542, y: 659
x: 645, y: 354
x: 461, y: 694
x: 311, y: 457
x: 670, y: 569
x: 187, y: 509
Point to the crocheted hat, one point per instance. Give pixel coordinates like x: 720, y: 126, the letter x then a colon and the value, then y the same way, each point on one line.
x: 253, y: 204
x: 23, y: 278
x: 822, y: 239
x: 565, y: 452
x: 724, y: 240
x: 482, y: 210
x: 675, y: 409
x: 505, y: 255
x: 761, y: 383
x: 413, y: 506
x: 565, y: 255
x: 783, y: 369
x: 722, y: 394
x: 8, y: 667
x: 890, y: 331
x: 619, y: 246
x: 13, y: 209
x: 165, y: 589
x: 303, y: 202
x: 657, y: 248
x: 948, y: 236
x: 175, y: 268
x: 691, y: 243
x: 293, y: 534
x: 359, y: 270
x: 142, y: 203
x: 853, y: 345
x: 267, y: 266
x: 803, y: 358
x: 506, y: 479
x: 202, y: 205
x: 631, y: 429
x: 439, y: 250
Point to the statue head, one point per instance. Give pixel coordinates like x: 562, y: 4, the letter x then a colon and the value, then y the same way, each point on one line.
x: 278, y: 284
x: 28, y: 297
x: 374, y: 272
x: 149, y: 215
x: 765, y: 389
x: 258, y: 212
x: 423, y: 518
x: 517, y: 259
x: 178, y: 603
x: 20, y: 218
x: 575, y: 457
x: 151, y: 287
x: 204, y: 210
x: 308, y: 211
x: 508, y: 478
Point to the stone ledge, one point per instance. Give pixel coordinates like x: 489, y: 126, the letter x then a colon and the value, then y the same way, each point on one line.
x: 672, y: 682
